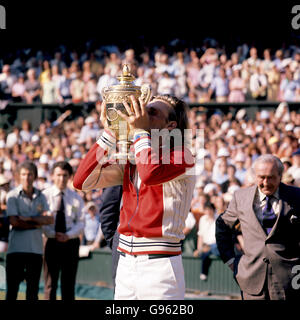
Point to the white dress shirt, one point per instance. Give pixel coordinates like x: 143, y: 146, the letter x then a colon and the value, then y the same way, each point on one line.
x: 260, y: 202
x: 73, y: 211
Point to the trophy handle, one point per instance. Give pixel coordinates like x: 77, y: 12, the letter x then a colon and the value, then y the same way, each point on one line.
x: 103, y: 92
x: 145, y: 92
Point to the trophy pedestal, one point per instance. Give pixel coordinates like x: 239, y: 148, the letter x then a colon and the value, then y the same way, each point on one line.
x: 123, y: 153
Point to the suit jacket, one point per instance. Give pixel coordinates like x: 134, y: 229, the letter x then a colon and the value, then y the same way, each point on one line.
x: 281, y: 248
x: 109, y: 212
x: 109, y: 219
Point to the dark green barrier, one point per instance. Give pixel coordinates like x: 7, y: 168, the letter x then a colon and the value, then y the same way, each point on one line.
x: 96, y: 270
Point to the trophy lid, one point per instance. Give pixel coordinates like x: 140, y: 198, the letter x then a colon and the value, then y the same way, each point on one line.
x: 126, y: 78
x: 125, y: 88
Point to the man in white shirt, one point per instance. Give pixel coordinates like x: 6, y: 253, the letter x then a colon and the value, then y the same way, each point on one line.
x: 27, y: 210
x: 62, y: 245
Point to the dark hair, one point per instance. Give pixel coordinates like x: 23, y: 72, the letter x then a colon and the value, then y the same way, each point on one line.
x: 30, y: 166
x: 209, y: 205
x: 64, y: 165
x: 178, y: 112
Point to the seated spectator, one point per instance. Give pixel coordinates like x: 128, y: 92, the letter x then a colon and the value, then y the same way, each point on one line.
x: 206, y: 75
x: 279, y: 59
x: 74, y: 69
x: 76, y: 88
x: 212, y: 189
x: 273, y: 76
x: 46, y: 71
x: 92, y: 228
x: 282, y: 112
x: 193, y: 69
x: 42, y: 181
x: 220, y: 168
x: 7, y: 81
x: 231, y: 173
x: 32, y: 87
x: 239, y: 161
x: 219, y: 203
x: 18, y: 89
x: 286, y: 146
x: 48, y: 90
x: 89, y: 130
x: 13, y: 138
x: 253, y: 60
x: 162, y: 64
x: 220, y: 86
x: 17, y: 155
x: 258, y: 84
x: 206, y: 245
x: 166, y: 84
x: 96, y: 65
x: 198, y: 202
x: 189, y: 244
x: 90, y: 93
x: 56, y: 76
x: 208, y: 168
x: 113, y: 64
x: 288, y: 179
x: 289, y: 88
x: 106, y: 80
x: 237, y: 86
x: 294, y: 170
x: 63, y: 91
x: 287, y: 163
x: 58, y: 61
x: 86, y: 72
x: 26, y: 132
x: 266, y: 63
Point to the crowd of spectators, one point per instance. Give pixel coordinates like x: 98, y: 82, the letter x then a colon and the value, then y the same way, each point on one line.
x: 230, y: 144
x: 199, y: 74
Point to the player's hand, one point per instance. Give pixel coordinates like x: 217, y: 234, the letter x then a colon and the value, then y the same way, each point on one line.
x: 103, y: 117
x: 137, y: 117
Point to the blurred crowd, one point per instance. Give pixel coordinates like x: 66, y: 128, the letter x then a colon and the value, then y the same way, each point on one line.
x: 231, y: 141
x: 230, y: 144
x: 204, y: 73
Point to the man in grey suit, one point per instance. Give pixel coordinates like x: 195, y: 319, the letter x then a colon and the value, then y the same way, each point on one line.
x: 269, y: 217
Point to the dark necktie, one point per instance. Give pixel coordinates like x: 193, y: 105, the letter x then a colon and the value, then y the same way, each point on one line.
x: 60, y: 221
x: 268, y: 215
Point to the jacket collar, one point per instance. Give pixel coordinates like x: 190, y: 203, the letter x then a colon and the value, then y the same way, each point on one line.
x: 36, y: 192
x: 249, y: 201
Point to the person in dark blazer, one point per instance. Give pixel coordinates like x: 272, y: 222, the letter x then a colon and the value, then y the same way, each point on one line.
x: 109, y: 219
x: 269, y: 217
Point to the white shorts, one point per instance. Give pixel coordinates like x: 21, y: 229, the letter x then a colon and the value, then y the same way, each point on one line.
x: 141, y: 278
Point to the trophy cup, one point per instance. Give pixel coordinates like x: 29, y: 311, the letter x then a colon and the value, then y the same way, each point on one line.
x: 114, y: 96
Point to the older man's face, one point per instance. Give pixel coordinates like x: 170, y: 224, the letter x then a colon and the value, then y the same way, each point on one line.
x: 267, y: 177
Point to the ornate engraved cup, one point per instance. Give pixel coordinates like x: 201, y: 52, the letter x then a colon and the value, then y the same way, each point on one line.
x: 114, y: 97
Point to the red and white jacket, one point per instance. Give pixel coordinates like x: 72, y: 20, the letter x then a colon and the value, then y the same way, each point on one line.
x: 156, y: 195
